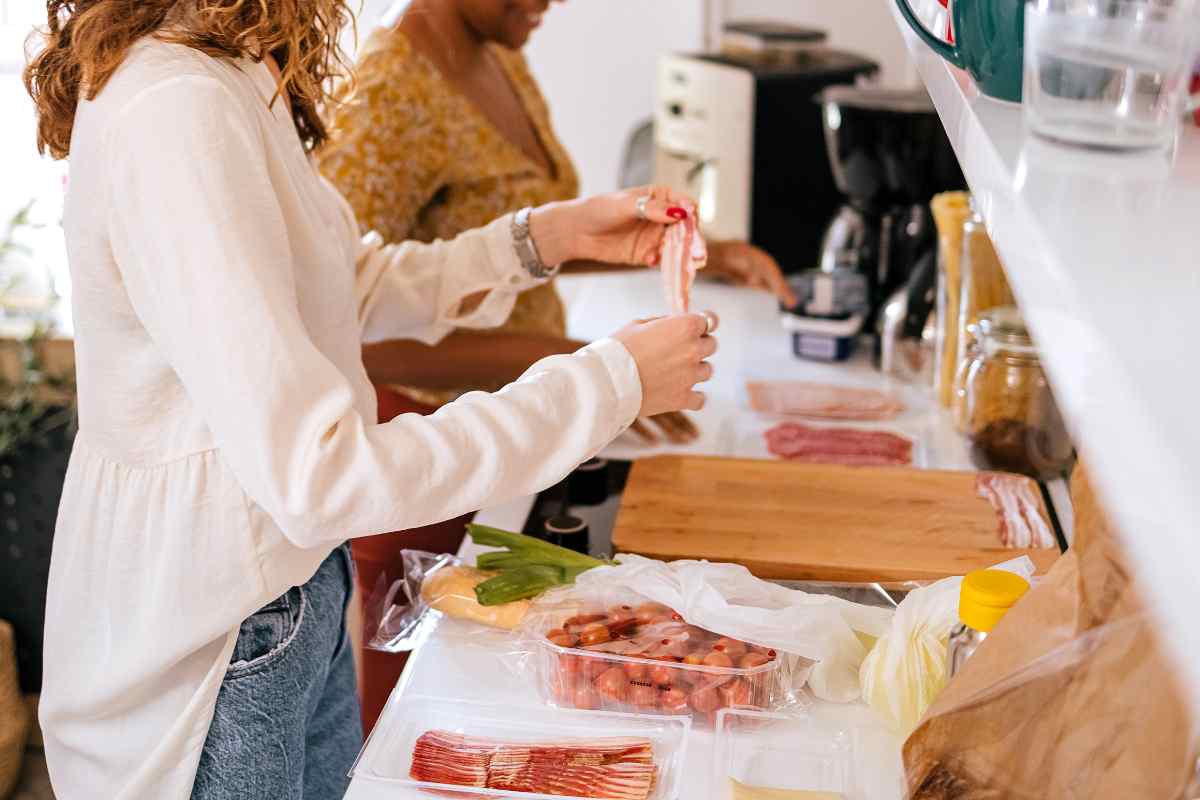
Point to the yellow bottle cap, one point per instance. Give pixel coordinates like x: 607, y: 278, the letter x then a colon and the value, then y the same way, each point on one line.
x: 987, y: 595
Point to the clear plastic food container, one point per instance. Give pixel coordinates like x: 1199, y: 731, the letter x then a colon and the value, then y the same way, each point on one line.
x: 644, y: 658
x: 389, y: 754
x: 760, y: 753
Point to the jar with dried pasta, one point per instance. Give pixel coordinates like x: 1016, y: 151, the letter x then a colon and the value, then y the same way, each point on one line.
x: 983, y: 286
x: 1012, y: 420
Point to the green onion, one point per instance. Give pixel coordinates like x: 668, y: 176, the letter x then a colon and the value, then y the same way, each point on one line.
x: 527, y: 566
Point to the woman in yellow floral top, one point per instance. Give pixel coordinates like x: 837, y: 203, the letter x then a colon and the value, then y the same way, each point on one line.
x: 447, y: 130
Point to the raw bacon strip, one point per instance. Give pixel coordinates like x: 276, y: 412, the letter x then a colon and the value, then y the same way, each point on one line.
x: 821, y: 401
x: 1019, y: 509
x: 614, y: 768
x: 851, y: 446
x: 683, y: 251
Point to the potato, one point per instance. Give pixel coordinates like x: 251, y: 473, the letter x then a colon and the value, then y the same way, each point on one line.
x: 451, y: 590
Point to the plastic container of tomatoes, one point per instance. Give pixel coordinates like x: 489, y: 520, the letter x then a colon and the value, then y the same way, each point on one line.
x: 644, y: 658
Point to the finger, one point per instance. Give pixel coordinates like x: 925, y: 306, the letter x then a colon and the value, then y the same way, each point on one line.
x: 662, y: 206
x: 678, y: 424
x: 703, y: 323
x: 670, y: 426
x: 704, y: 371
x: 778, y: 284
x: 643, y: 431
x: 707, y: 346
x: 684, y: 423
x: 681, y: 432
x: 695, y: 401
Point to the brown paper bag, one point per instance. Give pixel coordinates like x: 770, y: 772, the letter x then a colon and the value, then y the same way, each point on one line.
x: 1070, y: 698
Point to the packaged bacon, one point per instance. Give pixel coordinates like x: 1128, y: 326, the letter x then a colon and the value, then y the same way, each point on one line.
x: 821, y: 401
x: 461, y: 748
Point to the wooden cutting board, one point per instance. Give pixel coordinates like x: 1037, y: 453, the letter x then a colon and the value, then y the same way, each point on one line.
x: 819, y: 522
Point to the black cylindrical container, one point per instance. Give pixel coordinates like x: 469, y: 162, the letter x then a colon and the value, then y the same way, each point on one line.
x: 588, y: 484
x: 569, y: 532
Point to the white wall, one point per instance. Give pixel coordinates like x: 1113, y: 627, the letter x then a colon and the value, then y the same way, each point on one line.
x: 596, y: 60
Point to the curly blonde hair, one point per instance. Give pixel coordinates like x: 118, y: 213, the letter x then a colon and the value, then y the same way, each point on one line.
x: 86, y: 40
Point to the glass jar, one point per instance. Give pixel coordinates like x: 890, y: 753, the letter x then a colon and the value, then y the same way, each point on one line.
x: 982, y: 286
x: 1011, y: 418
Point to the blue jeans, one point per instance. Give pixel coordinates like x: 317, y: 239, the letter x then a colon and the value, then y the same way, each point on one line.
x: 287, y: 724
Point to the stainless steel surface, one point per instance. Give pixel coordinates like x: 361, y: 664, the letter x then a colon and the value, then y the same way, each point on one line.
x: 910, y: 359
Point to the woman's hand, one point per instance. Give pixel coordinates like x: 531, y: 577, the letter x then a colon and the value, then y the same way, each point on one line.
x: 675, y: 426
x: 670, y: 354
x: 743, y: 264
x: 608, y: 228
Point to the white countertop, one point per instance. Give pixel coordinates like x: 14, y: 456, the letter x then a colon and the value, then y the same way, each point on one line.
x: 1102, y: 252
x: 458, y: 661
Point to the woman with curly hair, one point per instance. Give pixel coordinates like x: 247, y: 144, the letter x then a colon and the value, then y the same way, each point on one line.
x: 228, y: 442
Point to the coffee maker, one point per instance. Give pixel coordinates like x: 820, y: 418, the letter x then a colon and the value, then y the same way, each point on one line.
x: 890, y: 156
x: 739, y: 132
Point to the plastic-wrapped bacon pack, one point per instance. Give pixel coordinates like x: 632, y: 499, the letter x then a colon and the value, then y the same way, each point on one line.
x: 614, y: 768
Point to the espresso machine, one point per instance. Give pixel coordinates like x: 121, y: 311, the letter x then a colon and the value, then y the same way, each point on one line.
x: 738, y: 131
x: 889, y: 155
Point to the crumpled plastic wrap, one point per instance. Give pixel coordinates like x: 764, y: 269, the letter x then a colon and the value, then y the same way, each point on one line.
x: 403, y: 607
x: 909, y: 666
x: 819, y: 631
x: 1071, y: 696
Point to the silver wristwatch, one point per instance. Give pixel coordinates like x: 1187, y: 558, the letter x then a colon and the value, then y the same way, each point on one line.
x: 526, y: 250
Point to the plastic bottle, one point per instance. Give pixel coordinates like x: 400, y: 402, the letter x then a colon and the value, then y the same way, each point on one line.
x: 985, y: 597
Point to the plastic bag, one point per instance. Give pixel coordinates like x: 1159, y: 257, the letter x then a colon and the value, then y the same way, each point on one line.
x: 403, y: 609
x: 816, y: 636
x: 1070, y: 697
x: 908, y: 667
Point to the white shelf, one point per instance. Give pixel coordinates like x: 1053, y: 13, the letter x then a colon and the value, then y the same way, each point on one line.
x: 1103, y: 251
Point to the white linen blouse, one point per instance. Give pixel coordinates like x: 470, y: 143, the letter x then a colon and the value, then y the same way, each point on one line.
x: 228, y: 439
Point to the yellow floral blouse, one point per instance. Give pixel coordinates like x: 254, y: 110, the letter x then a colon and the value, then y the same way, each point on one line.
x: 418, y: 160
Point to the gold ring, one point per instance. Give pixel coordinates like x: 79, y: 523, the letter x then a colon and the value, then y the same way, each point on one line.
x: 642, y: 202
x: 710, y: 322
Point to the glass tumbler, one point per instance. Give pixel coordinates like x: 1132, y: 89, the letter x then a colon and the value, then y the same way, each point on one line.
x: 1110, y: 74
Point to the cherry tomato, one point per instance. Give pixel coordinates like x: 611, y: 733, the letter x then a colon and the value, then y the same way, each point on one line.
x: 623, y: 628
x: 594, y: 633
x: 636, y: 671
x: 561, y: 638
x: 705, y: 700
x: 648, y: 613
x: 717, y: 659
x: 730, y: 647
x: 643, y: 696
x: 735, y: 693
x: 620, y: 613
x: 569, y: 665
x: 673, y: 701
x: 587, y: 698
x: 564, y: 688
x: 581, y: 621
x: 695, y: 658
x: 663, y: 677
x: 752, y: 660
x: 613, y: 684
x: 592, y: 668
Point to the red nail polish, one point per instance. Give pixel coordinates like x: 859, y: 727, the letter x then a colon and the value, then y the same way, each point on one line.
x: 675, y: 212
